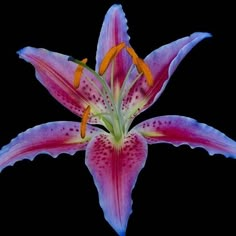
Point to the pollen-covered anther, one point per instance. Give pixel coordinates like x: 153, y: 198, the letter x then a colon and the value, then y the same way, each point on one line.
x: 141, y: 66
x: 84, y: 121
x: 109, y: 57
x: 78, y: 73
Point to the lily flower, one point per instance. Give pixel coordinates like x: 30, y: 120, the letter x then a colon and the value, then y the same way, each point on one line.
x: 107, y: 99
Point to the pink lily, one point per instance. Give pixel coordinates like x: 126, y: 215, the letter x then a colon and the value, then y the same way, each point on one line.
x: 120, y: 88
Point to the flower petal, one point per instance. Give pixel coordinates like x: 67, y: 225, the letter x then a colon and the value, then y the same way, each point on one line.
x: 57, y: 74
x: 51, y: 138
x: 114, y: 32
x: 162, y: 63
x: 115, y: 169
x: 178, y: 130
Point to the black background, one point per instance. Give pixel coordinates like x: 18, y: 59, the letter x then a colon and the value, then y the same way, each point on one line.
x: 180, y: 190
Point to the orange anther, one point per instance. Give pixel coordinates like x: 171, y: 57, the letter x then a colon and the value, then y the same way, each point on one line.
x: 141, y: 66
x: 84, y: 122
x: 119, y: 47
x: 109, y: 56
x: 135, y: 57
x: 146, y: 71
x: 78, y: 73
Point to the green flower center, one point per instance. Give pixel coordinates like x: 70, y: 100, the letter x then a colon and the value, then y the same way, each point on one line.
x: 112, y: 95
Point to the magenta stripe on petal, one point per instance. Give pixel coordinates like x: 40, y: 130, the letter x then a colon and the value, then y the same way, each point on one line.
x: 56, y: 73
x: 115, y: 169
x: 113, y: 32
x: 51, y: 138
x: 178, y: 130
x: 162, y: 62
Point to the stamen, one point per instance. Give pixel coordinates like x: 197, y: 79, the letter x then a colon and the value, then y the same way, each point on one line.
x: 135, y: 57
x: 119, y: 47
x: 146, y: 71
x: 84, y: 122
x: 109, y: 56
x: 141, y: 66
x: 78, y: 73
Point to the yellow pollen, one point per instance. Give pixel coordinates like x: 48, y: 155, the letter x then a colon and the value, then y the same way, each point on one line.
x: 84, y: 121
x: 141, y: 66
x: 78, y: 73
x: 109, y: 56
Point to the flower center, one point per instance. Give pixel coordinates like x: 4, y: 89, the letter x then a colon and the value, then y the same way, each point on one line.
x: 112, y: 96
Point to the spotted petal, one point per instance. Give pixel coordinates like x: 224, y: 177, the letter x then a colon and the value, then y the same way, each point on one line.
x: 114, y: 32
x: 115, y: 168
x: 56, y: 73
x: 162, y: 63
x: 178, y: 130
x: 51, y: 138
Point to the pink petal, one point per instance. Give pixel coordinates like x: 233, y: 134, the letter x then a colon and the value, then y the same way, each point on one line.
x: 113, y: 32
x: 56, y: 73
x: 115, y: 169
x: 51, y: 138
x: 178, y: 130
x: 162, y: 62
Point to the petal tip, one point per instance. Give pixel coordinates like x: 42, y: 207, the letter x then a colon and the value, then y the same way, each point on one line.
x: 208, y: 34
x: 122, y: 233
x: 114, y: 8
x: 24, y: 51
x: 20, y: 51
x: 116, y: 5
x: 201, y: 34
